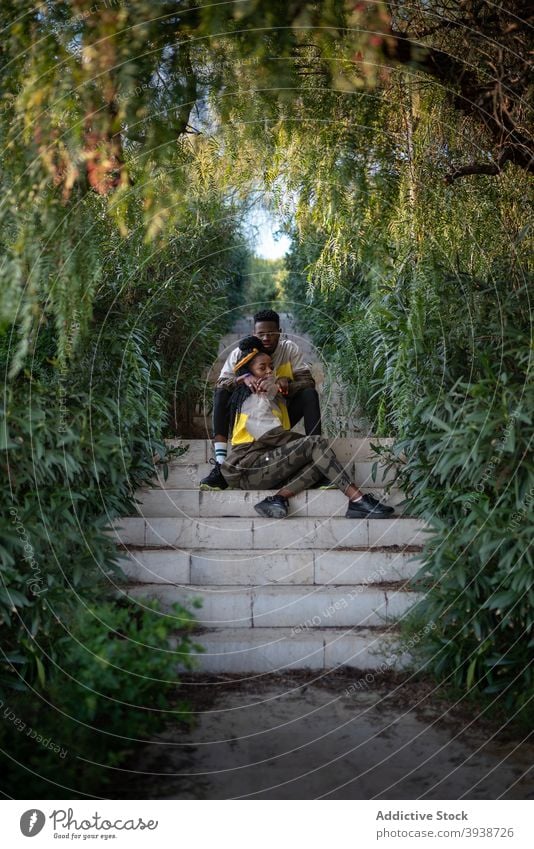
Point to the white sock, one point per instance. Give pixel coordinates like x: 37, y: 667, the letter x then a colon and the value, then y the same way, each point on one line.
x: 221, y: 450
x: 355, y: 500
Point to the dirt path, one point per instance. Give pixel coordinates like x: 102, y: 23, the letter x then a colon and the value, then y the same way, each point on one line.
x: 299, y: 736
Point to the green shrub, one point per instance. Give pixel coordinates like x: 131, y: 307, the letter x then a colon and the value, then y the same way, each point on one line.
x: 463, y: 412
x: 343, y: 326
x: 76, y: 445
x: 108, y: 361
x: 442, y: 361
x: 80, y: 671
x: 114, y: 684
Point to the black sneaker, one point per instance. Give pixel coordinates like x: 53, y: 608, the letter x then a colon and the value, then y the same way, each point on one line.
x: 215, y: 478
x: 273, y: 507
x: 368, y: 507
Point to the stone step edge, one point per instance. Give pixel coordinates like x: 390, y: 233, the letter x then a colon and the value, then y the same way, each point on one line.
x: 402, y: 586
x: 295, y: 606
x: 349, y: 448
x: 271, y: 649
x: 201, y: 567
x: 161, y: 503
x: 390, y: 629
x: 179, y: 463
x: 217, y: 493
x: 388, y: 549
x: 258, y: 534
x: 382, y: 440
x: 245, y: 554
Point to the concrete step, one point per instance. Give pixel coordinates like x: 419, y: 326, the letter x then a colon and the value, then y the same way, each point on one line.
x: 299, y: 607
x: 259, y: 534
x: 198, y: 451
x: 328, y: 595
x: 181, y: 476
x: 201, y: 567
x: 265, y: 650
x: 194, y: 503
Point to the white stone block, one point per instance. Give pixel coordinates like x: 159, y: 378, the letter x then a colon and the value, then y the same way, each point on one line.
x: 284, y: 533
x: 399, y: 603
x: 363, y: 567
x: 358, y: 649
x: 354, y: 449
x: 304, y: 608
x: 222, y: 607
x: 197, y: 450
x: 157, y: 566
x: 341, y: 533
x: 184, y: 476
x: 323, y: 503
x: 254, y: 568
x: 363, y: 475
x: 200, y: 533
x: 259, y: 650
x: 309, y: 533
x: 240, y: 503
x: 168, y: 503
x: 128, y: 530
x: 396, y: 531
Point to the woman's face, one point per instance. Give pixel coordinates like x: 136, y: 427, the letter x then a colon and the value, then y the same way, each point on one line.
x: 261, y: 366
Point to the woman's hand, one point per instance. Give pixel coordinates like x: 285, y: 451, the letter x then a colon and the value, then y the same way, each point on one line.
x: 267, y: 385
x: 250, y: 381
x: 262, y: 384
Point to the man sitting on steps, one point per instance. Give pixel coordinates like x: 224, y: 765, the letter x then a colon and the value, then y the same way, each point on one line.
x: 294, y: 380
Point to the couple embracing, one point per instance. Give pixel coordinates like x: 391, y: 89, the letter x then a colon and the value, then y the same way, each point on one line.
x: 263, y: 390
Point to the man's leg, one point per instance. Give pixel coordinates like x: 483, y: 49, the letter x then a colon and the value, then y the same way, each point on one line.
x: 221, y: 423
x: 305, y: 404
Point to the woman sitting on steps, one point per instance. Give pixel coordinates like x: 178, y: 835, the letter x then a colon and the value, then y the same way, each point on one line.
x: 266, y: 454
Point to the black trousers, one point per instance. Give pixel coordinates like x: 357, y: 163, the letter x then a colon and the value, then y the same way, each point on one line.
x: 303, y: 404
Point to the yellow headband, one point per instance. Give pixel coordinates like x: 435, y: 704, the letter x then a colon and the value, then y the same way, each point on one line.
x: 245, y: 359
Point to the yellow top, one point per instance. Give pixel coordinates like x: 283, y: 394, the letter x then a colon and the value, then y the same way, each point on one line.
x: 258, y: 415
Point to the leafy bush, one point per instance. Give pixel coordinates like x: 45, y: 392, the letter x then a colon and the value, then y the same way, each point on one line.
x: 76, y: 446
x: 103, y: 355
x: 427, y: 282
x: 342, y: 324
x: 112, y: 687
x: 466, y: 464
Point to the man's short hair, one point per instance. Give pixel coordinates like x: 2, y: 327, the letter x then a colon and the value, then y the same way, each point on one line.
x: 267, y: 315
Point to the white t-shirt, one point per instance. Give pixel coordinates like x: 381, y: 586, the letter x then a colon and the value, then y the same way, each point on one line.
x: 287, y: 359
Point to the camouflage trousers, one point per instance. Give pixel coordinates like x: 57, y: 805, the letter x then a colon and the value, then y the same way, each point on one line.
x: 297, y: 465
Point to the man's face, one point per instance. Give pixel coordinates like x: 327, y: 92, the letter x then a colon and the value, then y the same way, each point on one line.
x: 269, y: 333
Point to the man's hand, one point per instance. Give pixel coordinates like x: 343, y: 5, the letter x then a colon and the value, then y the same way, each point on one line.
x: 283, y: 385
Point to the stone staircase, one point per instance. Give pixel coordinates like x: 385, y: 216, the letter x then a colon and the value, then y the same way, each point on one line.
x: 312, y: 591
